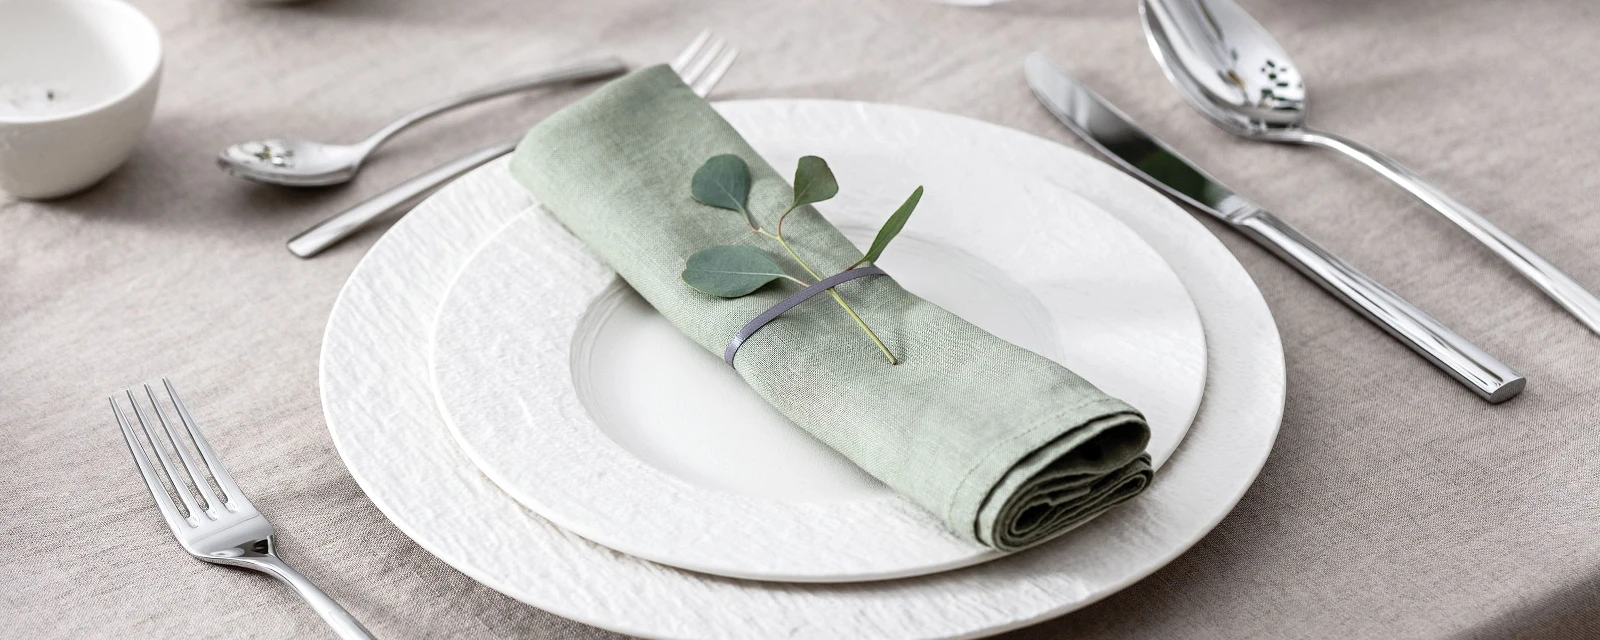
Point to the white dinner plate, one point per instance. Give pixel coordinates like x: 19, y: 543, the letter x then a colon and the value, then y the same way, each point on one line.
x: 584, y: 404
x: 380, y: 411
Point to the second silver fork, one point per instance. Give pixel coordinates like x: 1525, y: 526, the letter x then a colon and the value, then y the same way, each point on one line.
x: 701, y: 65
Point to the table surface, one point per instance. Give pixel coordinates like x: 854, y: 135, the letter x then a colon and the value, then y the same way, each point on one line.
x: 1395, y: 503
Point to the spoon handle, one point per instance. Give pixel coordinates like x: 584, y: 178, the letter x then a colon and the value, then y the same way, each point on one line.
x: 574, y: 72
x: 1491, y: 379
x: 1566, y: 291
x: 401, y: 197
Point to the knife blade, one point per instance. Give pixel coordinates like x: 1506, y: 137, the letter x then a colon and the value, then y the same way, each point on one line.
x: 1137, y: 152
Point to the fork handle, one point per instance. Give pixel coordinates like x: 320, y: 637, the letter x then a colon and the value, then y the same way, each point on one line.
x: 1562, y: 288
x: 344, y: 625
x: 582, y: 71
x: 400, y: 197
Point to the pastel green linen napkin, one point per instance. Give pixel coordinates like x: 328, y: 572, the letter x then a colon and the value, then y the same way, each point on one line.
x: 1006, y: 446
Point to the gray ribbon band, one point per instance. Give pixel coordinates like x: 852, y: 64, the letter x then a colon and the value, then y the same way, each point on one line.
x: 750, y: 328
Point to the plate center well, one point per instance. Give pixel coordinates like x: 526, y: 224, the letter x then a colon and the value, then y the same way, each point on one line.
x: 679, y: 408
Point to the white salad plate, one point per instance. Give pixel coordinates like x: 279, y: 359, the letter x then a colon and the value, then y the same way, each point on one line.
x: 584, y: 404
x: 379, y: 403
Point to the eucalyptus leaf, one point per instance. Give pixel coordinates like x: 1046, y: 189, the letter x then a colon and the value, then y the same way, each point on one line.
x: 724, y: 182
x: 730, y: 270
x: 892, y: 227
x: 813, y: 181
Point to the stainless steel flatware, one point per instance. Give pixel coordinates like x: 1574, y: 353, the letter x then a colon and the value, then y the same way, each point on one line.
x: 702, y: 65
x: 1230, y: 69
x: 1113, y: 134
x: 401, y: 197
x: 305, y: 163
x: 218, y: 526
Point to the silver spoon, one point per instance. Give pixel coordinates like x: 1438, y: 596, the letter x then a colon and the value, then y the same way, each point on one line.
x: 1229, y: 68
x: 304, y: 163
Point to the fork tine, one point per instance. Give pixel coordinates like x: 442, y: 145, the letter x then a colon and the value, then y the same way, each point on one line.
x: 704, y: 86
x: 230, y: 491
x: 184, y: 458
x: 698, y: 67
x: 689, y: 52
x: 158, y: 491
x: 161, y: 455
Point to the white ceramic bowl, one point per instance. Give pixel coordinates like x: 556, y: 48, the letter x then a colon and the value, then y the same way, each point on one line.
x: 78, y: 84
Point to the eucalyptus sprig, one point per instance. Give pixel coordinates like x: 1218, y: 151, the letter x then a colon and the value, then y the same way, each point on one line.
x: 734, y: 270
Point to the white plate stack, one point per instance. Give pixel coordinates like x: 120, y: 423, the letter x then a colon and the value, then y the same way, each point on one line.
x: 485, y: 378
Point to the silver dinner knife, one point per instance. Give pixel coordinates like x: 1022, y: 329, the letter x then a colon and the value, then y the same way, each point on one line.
x: 1113, y: 134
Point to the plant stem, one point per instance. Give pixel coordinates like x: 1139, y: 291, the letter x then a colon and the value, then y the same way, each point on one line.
x: 792, y: 254
x: 836, y: 297
x: 781, y: 217
x: 863, y: 324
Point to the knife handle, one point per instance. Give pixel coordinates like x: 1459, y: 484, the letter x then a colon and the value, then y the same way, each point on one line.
x: 1491, y: 379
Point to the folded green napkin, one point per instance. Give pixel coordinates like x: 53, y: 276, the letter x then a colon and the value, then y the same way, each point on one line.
x: 1007, y: 447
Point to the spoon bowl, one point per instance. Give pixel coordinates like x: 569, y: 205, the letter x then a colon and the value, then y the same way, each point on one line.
x: 300, y: 163
x: 304, y: 163
x: 1226, y: 65
x: 1229, y: 68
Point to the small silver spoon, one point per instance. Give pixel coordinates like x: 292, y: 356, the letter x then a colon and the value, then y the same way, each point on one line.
x: 304, y: 163
x: 1229, y: 68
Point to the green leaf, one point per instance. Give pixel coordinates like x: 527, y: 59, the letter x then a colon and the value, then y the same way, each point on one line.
x: 813, y: 182
x: 724, y: 182
x: 891, y: 227
x: 730, y: 270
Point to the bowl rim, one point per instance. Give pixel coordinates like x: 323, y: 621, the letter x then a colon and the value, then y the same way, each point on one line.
x: 138, y: 20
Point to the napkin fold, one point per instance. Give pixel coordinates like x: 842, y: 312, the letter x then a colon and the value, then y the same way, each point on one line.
x: 1007, y: 447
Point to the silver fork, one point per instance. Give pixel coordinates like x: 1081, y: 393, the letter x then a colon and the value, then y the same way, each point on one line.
x: 222, y: 528
x: 701, y: 65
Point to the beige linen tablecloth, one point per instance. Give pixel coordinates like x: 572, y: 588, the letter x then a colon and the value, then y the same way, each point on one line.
x: 1394, y: 505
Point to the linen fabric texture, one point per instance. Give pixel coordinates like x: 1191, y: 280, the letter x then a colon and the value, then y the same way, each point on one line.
x: 1007, y: 447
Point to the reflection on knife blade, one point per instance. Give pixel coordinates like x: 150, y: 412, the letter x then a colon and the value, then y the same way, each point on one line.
x: 1114, y: 135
